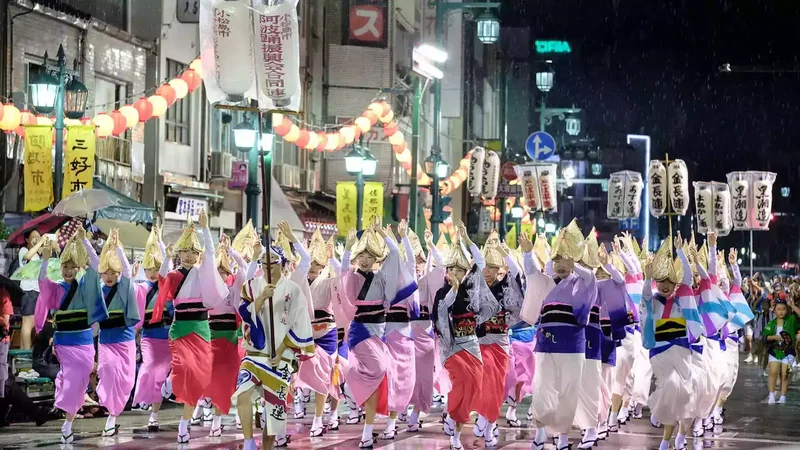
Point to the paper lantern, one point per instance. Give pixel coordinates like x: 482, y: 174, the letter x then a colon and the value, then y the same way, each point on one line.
x: 302, y: 140
x: 399, y: 148
x: 131, y: 115
x: 168, y: 92
x: 405, y: 156
x: 332, y: 141
x: 323, y: 141
x: 465, y: 161
x: 624, y: 195
x: 491, y: 175
x: 277, y: 55
x: 376, y: 108
x: 41, y: 119
x: 180, y: 86
x: 387, y: 108
x: 159, y: 105
x: 369, y: 114
x: 11, y: 118
x: 120, y: 123
x: 740, y: 198
x: 396, y: 139
x: 313, y: 141
x: 293, y: 134
x: 722, y: 208
x: 363, y: 124
x: 703, y: 204
x: 616, y: 196
x: 25, y: 118
x: 386, y: 118
x: 462, y: 174
x: 348, y: 134
x: 283, y: 127
x: 657, y: 187
x: 761, y: 190
x: 104, y: 124
x: 86, y: 121
x: 233, y: 48
x: 390, y: 129
x: 547, y: 187
x: 197, y: 66
x: 475, y: 176
x: 192, y: 79
x: 144, y: 108
x: 71, y: 122
x: 679, y: 186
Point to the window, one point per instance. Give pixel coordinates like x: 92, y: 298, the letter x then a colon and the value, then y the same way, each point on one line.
x: 179, y: 116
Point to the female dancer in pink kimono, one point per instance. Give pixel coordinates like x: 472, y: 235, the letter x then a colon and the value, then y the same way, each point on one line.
x: 369, y: 295
x: 116, y: 351
x: 155, y: 337
x: 78, y: 305
x: 430, y: 279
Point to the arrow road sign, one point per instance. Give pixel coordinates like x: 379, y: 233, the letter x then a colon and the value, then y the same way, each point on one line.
x: 540, y: 146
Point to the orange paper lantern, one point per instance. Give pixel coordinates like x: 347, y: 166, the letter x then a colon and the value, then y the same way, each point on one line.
x: 390, y: 129
x: 302, y: 140
x: 313, y: 141
x: 168, y: 92
x: 120, y: 123
x: 283, y: 127
x: 369, y: 114
x: 25, y: 118
x: 11, y: 118
x: 363, y: 124
x: 192, y: 79
x: 144, y: 108
x: 323, y: 141
x: 348, y: 133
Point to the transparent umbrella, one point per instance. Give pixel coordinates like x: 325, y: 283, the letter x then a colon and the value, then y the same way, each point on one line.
x: 85, y: 202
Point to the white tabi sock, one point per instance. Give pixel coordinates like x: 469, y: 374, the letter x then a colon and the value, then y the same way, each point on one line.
x: 153, y: 417
x: 216, y: 423
x: 481, y: 422
x: 623, y: 413
x: 206, y: 412
x: 541, y: 435
x: 717, y: 412
x: 66, y: 428
x: 414, y: 418
x: 680, y: 441
x: 198, y: 411
x: 183, y: 427
x: 367, y: 433
x: 390, y: 425
x: 664, y: 445
x: 110, y: 422
x: 612, y: 419
x: 455, y: 439
x: 563, y: 440
x: 317, y: 424
x: 299, y: 407
x: 698, y: 425
x: 511, y: 414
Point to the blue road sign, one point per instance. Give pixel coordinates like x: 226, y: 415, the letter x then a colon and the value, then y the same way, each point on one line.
x: 540, y: 146
x: 631, y: 224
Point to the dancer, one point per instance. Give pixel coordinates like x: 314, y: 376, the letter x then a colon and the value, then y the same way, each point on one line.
x: 672, y: 322
x: 564, y: 304
x: 462, y: 304
x: 193, y: 290
x: 316, y: 373
x: 223, y: 321
x: 79, y: 305
x: 399, y: 342
x: 493, y: 334
x: 154, y: 343
x: 277, y: 332
x: 116, y: 352
x: 368, y: 295
x: 431, y: 279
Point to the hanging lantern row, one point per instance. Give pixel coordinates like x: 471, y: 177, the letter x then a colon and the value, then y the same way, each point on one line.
x: 116, y: 122
x: 379, y: 111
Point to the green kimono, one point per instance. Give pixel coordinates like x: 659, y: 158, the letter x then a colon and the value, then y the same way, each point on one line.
x: 780, y: 349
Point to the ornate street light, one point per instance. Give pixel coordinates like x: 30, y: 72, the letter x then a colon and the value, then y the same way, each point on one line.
x: 369, y: 165
x: 244, y: 135
x: 488, y: 27
x: 545, y: 78
x: 573, y: 123
x: 517, y: 212
x: 354, y: 162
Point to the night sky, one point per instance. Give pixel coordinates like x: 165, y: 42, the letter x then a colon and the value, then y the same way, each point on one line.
x: 653, y: 67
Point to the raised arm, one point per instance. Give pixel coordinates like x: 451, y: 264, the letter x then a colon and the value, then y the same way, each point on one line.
x: 123, y: 259
x: 166, y: 262
x: 737, y: 275
x: 687, y: 268
x: 94, y: 260
x: 584, y: 273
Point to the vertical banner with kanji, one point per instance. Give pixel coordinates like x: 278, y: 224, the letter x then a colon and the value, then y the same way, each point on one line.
x: 78, y: 159
x: 373, y: 201
x: 345, y: 207
x: 38, y: 167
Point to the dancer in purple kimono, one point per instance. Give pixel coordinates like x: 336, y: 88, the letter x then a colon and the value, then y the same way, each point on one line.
x: 78, y: 305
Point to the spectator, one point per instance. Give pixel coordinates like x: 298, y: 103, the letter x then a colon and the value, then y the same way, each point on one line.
x: 31, y: 251
x: 44, y: 359
x: 6, y: 310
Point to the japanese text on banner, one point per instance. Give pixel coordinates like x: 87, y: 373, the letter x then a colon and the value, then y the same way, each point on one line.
x: 79, y: 159
x: 373, y: 201
x: 38, y: 167
x: 345, y: 207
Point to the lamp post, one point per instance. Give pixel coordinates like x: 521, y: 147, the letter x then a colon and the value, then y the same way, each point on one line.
x: 545, y: 79
x: 516, y: 213
x: 267, y: 139
x: 360, y: 163
x: 58, y: 89
x: 436, y: 168
x: 245, y: 138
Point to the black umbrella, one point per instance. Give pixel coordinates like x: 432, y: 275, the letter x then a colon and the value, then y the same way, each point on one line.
x: 14, y: 291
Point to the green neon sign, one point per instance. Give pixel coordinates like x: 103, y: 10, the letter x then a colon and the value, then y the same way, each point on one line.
x: 553, y: 47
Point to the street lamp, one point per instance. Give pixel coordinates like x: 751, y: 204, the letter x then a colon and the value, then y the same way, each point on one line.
x: 545, y: 78
x: 354, y: 162
x: 437, y: 169
x: 488, y: 27
x: 573, y: 123
x: 360, y: 163
x: 56, y: 89
x: 597, y: 169
x: 244, y: 135
x: 369, y: 165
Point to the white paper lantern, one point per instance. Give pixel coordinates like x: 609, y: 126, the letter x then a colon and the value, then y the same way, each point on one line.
x: 704, y: 206
x: 547, y: 187
x: 491, y: 175
x: 530, y: 188
x: 278, y: 57
x: 616, y: 196
x: 633, y: 194
x: 678, y: 186
x: 762, y: 199
x: 657, y: 187
x: 233, y: 47
x: 475, y: 178
x: 740, y: 199
x: 722, y: 209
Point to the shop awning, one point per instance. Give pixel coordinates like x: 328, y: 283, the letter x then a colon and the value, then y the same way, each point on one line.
x: 128, y: 210
x: 281, y: 210
x: 132, y: 235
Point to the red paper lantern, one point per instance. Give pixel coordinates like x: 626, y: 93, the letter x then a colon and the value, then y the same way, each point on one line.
x: 323, y: 141
x: 370, y: 114
x: 386, y: 107
x: 399, y: 148
x: 25, y: 118
x: 168, y: 92
x: 302, y: 141
x: 120, y: 123
x: 390, y: 129
x: 144, y: 108
x: 192, y: 79
x: 284, y: 127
